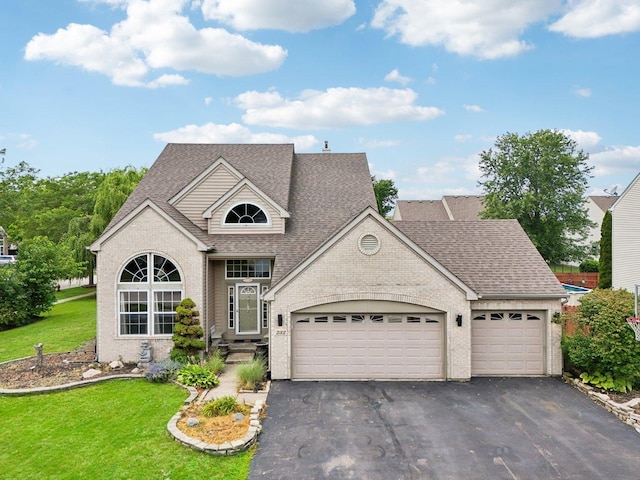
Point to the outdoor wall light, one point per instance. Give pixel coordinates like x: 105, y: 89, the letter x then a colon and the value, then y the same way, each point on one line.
x: 459, y: 320
x: 279, y: 319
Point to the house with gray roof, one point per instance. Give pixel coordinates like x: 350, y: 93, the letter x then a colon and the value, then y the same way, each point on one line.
x: 288, y: 249
x: 450, y: 207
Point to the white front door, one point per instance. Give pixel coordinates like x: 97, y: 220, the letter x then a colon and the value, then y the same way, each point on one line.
x: 247, y: 308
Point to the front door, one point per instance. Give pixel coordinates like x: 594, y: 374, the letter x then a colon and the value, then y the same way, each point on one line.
x: 247, y: 308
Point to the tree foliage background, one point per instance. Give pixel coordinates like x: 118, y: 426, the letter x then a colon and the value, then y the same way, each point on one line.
x: 386, y: 195
x: 52, y: 221
x: 540, y: 179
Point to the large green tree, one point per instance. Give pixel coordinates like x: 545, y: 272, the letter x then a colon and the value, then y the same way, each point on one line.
x: 606, y: 258
x: 540, y: 179
x: 111, y: 195
x: 386, y: 195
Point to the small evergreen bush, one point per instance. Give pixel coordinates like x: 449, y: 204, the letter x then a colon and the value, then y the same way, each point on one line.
x: 251, y: 374
x: 162, y: 372
x: 187, y: 332
x: 199, y: 376
x: 589, y: 266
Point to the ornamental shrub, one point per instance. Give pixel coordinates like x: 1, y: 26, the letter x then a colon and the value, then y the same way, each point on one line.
x: 216, y: 363
x: 187, y: 332
x: 223, y: 406
x: 605, y: 266
x: 162, y: 372
x: 198, y: 376
x: 604, y: 347
x: 251, y: 374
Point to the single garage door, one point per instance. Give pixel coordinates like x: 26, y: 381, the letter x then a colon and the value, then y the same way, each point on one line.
x: 367, y: 346
x: 507, y: 343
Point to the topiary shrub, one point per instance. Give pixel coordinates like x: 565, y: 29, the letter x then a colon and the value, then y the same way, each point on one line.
x: 198, y: 376
x: 187, y: 332
x: 604, y: 349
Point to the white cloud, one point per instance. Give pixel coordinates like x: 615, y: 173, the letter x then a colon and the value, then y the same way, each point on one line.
x: 395, y: 76
x: 615, y: 160
x: 473, y: 108
x: 208, y: 100
x: 380, y: 175
x: 581, y: 91
x: 378, y: 143
x: 334, y: 108
x: 587, y: 141
x: 232, y: 133
x: 430, y: 81
x: 291, y: 16
x: 155, y: 35
x: 482, y: 28
x: 598, y: 18
x: 461, y: 138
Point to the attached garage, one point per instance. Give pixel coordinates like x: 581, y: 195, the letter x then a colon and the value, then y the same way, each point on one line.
x: 507, y: 343
x: 348, y: 346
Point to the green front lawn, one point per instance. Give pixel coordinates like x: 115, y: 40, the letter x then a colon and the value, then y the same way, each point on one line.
x: 74, y: 292
x: 62, y: 329
x: 112, y: 430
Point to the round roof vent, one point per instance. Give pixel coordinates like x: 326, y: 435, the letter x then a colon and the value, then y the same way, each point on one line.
x: 369, y: 244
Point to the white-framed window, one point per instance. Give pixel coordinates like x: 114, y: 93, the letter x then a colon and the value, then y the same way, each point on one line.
x: 149, y: 290
x: 232, y: 307
x: 246, y: 213
x: 265, y: 307
x: 248, y: 268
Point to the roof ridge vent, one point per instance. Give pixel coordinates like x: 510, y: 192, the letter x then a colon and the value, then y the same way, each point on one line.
x: 326, y: 146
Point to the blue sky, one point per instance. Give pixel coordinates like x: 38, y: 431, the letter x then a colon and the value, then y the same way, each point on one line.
x: 420, y: 86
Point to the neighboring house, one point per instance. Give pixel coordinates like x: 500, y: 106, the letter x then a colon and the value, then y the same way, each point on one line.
x: 625, y: 238
x: 289, y: 248
x: 451, y: 207
x: 597, y: 206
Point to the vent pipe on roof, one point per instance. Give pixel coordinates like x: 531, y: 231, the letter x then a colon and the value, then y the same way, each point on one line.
x: 326, y: 146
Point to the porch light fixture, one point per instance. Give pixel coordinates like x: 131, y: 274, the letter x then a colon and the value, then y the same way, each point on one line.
x: 459, y: 320
x: 279, y: 319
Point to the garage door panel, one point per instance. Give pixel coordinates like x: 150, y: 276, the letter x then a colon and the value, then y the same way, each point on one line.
x: 507, y: 343
x: 368, y: 349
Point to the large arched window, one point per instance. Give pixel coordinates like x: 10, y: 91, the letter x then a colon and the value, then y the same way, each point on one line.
x: 246, y: 213
x: 149, y: 290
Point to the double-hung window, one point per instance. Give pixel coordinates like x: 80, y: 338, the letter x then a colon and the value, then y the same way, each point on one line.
x: 149, y: 290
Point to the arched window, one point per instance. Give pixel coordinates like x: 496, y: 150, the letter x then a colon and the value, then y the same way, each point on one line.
x: 246, y: 213
x: 149, y: 290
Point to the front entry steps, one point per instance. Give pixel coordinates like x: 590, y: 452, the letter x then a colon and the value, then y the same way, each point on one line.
x: 241, y: 352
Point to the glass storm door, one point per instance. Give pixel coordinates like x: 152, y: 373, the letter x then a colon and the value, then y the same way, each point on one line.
x: 247, y: 309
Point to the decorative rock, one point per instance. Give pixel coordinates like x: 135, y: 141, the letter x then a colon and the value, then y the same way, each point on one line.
x: 238, y: 417
x: 136, y: 370
x: 116, y: 364
x: 192, y: 422
x: 92, y: 372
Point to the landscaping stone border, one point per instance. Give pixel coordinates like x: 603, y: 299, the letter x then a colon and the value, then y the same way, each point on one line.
x: 229, y: 448
x: 67, y: 386
x: 624, y: 411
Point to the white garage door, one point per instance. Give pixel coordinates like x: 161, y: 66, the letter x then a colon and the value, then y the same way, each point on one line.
x: 507, y: 343
x: 367, y: 346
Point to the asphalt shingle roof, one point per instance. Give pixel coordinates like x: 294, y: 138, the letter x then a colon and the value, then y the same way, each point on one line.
x: 493, y: 257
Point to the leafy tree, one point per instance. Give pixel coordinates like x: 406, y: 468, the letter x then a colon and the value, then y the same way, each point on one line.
x: 187, y: 332
x: 15, y: 182
x: 605, y: 267
x: 539, y: 179
x: 604, y: 349
x: 77, y: 239
x: 111, y: 195
x: 386, y: 195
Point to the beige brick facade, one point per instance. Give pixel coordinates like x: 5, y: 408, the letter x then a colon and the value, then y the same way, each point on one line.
x: 147, y: 232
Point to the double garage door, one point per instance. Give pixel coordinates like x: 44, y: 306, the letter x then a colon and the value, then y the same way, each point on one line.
x: 368, y: 346
x: 507, y: 343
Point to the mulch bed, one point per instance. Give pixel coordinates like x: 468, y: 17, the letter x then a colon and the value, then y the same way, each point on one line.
x: 57, y: 369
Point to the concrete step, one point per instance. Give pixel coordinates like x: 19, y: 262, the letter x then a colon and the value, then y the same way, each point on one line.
x: 239, y: 357
x: 242, y: 347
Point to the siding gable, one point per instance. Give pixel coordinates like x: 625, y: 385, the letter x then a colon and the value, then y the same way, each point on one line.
x: 245, y: 193
x: 206, y: 189
x: 625, y: 223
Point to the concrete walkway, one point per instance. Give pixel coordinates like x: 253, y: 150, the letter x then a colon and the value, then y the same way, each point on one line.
x: 229, y: 386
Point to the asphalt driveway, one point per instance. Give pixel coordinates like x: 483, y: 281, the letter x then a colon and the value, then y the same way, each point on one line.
x: 488, y: 429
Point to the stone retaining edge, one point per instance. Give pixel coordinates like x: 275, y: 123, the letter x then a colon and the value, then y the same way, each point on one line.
x: 624, y: 411
x: 67, y: 386
x: 229, y: 448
